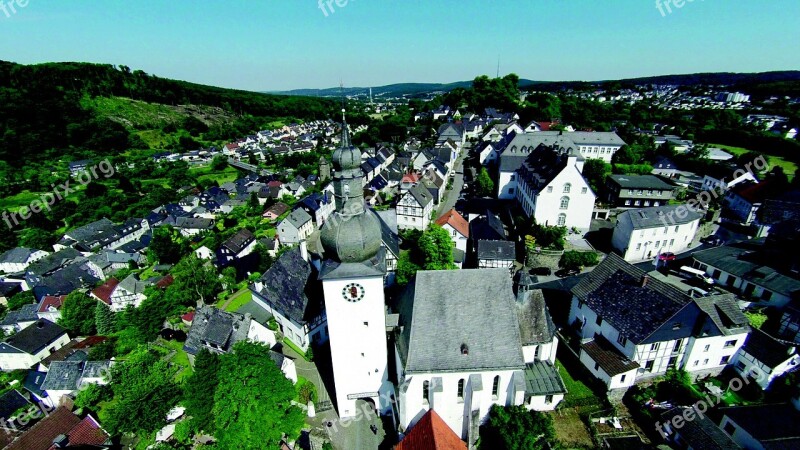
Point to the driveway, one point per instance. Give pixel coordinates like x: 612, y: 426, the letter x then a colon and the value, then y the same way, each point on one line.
x: 451, y: 196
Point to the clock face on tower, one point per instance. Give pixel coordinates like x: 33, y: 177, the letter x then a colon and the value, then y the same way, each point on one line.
x: 353, y: 292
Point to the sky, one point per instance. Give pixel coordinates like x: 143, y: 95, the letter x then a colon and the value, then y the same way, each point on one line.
x: 265, y: 45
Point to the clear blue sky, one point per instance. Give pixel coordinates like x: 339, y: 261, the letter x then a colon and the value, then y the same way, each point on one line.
x: 285, y: 44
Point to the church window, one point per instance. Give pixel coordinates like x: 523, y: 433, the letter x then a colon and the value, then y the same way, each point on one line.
x: 460, y: 393
x: 495, y: 386
x: 425, y: 390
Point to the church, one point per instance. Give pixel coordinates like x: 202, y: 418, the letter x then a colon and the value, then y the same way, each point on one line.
x: 454, y: 341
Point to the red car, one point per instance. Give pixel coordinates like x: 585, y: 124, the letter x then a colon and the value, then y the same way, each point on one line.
x: 667, y: 256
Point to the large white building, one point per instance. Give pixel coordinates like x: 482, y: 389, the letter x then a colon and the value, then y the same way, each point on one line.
x: 644, y: 233
x: 635, y: 327
x: 414, y: 208
x: 31, y: 345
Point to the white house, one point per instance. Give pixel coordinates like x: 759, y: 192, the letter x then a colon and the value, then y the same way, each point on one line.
x: 476, y: 363
x: 296, y: 227
x: 191, y: 226
x: 633, y: 326
x: 488, y: 152
x: 551, y: 189
x: 65, y: 377
x: 644, y: 233
x: 414, y: 208
x: 765, y: 426
x: 723, y: 179
x: 764, y: 355
x: 50, y: 307
x: 237, y: 246
x: 218, y: 331
x: 458, y: 229
x: 18, y: 259
x: 31, y: 345
x: 129, y: 291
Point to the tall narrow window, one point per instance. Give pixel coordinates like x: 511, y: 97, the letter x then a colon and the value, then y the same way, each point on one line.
x: 461, y: 389
x: 567, y: 188
x: 495, y: 385
x: 562, y: 219
x: 564, y: 202
x: 425, y: 390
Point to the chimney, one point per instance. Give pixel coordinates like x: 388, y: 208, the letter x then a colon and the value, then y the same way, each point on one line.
x: 645, y: 279
x: 304, y: 250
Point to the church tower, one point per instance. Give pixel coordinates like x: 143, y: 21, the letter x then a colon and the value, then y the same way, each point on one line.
x: 352, y: 275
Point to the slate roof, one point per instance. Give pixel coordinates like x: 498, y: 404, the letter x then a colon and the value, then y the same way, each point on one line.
x: 298, y: 218
x: 68, y: 375
x: 256, y: 311
x: 194, y: 223
x: 542, y: 378
x: 487, y: 228
x: 33, y: 338
x: 11, y: 402
x: 767, y: 349
x: 455, y: 220
x: 743, y: 260
x: 535, y: 323
x: 464, y: 317
x: 289, y: 285
x: 91, y: 231
x: 611, y: 360
x: 239, y: 240
x: 219, y: 328
x: 775, y: 426
x: 496, y: 250
x: 33, y: 383
x: 431, y: 433
x: 658, y: 216
x: 67, y: 279
x: 420, y: 194
x: 17, y: 255
x: 545, y: 163
x: 701, y: 433
x: 26, y: 313
x: 53, y: 261
x: 9, y: 289
x: 641, y: 182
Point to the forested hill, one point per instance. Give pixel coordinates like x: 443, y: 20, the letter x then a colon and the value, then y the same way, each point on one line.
x: 47, y: 109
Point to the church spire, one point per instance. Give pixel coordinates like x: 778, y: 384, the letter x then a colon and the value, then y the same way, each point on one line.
x: 345, y: 132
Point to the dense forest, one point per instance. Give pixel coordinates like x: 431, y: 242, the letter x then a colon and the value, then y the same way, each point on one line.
x: 43, y: 113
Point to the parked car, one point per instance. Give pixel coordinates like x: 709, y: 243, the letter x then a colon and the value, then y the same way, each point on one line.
x: 541, y: 271
x: 561, y: 273
x: 667, y: 256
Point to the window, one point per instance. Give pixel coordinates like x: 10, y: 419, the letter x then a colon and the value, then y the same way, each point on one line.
x: 622, y: 378
x: 729, y: 428
x: 627, y: 202
x: 599, y: 320
x: 676, y: 228
x: 636, y: 203
x: 658, y: 244
x: 511, y: 191
x: 549, y: 189
x: 564, y: 202
x: 673, y: 361
x: 495, y: 386
x: 705, y: 349
x: 584, y: 190
x: 366, y: 324
x: 622, y: 340
x: 729, y: 344
x: 654, y: 347
x: 639, y: 246
x: 567, y: 188
x: 460, y: 393
x: 580, y: 304
x: 671, y: 242
x: 678, y: 343
x: 665, y: 230
x: 425, y: 390
x: 705, y: 362
x: 648, y: 366
x: 724, y: 360
x: 548, y: 399
x: 696, y: 362
x: 596, y: 366
x: 766, y: 295
x: 562, y: 219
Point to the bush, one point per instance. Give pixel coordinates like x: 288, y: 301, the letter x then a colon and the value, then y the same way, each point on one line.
x: 306, y: 391
x: 92, y: 394
x: 575, y: 260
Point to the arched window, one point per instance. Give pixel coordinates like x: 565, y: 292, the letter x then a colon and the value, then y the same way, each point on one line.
x: 562, y: 219
x: 567, y: 187
x: 461, y: 389
x: 564, y: 202
x: 425, y: 390
x: 495, y: 385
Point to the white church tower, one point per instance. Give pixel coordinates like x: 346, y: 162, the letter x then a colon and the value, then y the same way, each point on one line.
x: 352, y: 275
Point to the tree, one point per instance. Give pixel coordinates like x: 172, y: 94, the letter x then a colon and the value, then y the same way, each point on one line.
x: 436, y: 249
x: 195, y: 279
x: 21, y: 299
x: 199, y: 390
x: 102, y: 351
x: 485, y: 185
x: 252, y: 404
x: 90, y: 395
x: 220, y: 162
x: 77, y: 314
x: 167, y: 246
x: 104, y: 319
x: 595, y: 171
x: 144, y: 391
x: 516, y: 428
x: 34, y: 237
x: 229, y: 278
x: 265, y: 260
x: 406, y: 269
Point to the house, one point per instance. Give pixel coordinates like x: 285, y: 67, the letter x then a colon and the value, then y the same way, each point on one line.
x: 87, y: 236
x: 763, y: 354
x: 62, y: 429
x: 487, y: 228
x: 492, y: 254
x: 749, y: 269
x: 435, y: 183
x: 76, y: 167
x: 699, y: 433
x: 11, y: 403
x: 237, y: 246
x: 50, y: 307
x: 431, y: 433
x: 665, y: 167
x: 636, y: 191
x: 20, y: 319
x: 720, y: 178
x: 645, y: 233
x: 66, y: 377
x: 204, y: 252
x: 32, y: 344
x: 191, y: 226
x: 8, y: 290
x: 290, y: 293
x: 471, y: 357
x: 18, y: 259
x: 551, y: 189
x: 743, y: 201
x: 457, y: 228
x: 129, y: 291
x: 218, y: 331
x: 275, y: 211
x: 414, y: 208
x: 296, y: 227
x: 319, y: 205
x: 75, y: 275
x: 767, y: 426
x: 106, y: 262
x: 488, y: 152
x: 656, y: 327
x: 104, y: 291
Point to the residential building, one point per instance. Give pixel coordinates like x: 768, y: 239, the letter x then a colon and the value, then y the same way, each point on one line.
x: 493, y: 254
x: 665, y: 167
x: 431, y: 433
x: 656, y: 327
x: 645, y: 233
x: 296, y: 227
x: 762, y: 427
x: 743, y: 201
x: 50, y: 307
x: 637, y: 191
x: 18, y: 259
x: 767, y: 357
x: 720, y: 178
x: 219, y: 331
x: 414, y: 208
x: 237, y: 246
x: 275, y: 211
x: 191, y: 226
x: 318, y: 205
x: 700, y: 433
x: 29, y: 346
x: 20, y: 319
x: 457, y: 228
x: 66, y: 377
x: 62, y: 429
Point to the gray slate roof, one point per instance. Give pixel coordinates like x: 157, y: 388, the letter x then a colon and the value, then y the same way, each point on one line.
x: 658, y: 216
x: 767, y: 349
x: 33, y: 338
x: 542, y: 378
x: 216, y: 327
x: 289, y: 286
x: 641, y: 182
x: 701, y: 433
x: 441, y: 311
x: 26, y: 313
x: 775, y: 426
x: 496, y: 250
x: 298, y: 218
x: 421, y: 194
x: 535, y: 323
x: 16, y: 255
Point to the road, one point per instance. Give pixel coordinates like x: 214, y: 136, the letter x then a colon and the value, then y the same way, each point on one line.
x: 451, y: 196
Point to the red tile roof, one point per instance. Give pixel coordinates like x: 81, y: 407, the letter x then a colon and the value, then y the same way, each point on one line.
x: 431, y: 433
x: 90, y: 341
x: 165, y: 282
x: 455, y: 220
x: 86, y: 432
x: 188, y: 317
x: 410, y: 178
x: 275, y: 183
x: 103, y: 292
x: 754, y: 192
x: 51, y: 300
x: 61, y: 421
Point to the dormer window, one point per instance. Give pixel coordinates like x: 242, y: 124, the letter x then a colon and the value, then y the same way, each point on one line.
x: 464, y: 349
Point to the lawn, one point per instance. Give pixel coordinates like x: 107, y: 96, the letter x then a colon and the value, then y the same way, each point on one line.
x: 577, y: 391
x: 220, y: 176
x: 180, y: 358
x: 789, y: 167
x: 235, y: 301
